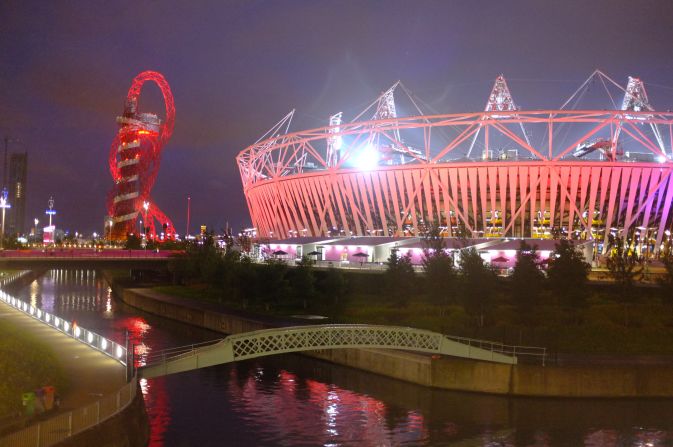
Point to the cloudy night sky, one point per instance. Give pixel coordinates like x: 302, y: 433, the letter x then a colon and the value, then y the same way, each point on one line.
x: 237, y: 67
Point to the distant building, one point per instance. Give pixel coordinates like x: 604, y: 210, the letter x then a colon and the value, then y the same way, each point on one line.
x: 18, y: 169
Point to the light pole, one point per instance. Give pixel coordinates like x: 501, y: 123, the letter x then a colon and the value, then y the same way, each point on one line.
x: 4, y: 205
x: 35, y: 228
x: 50, y: 212
x: 109, y: 222
x: 146, y: 206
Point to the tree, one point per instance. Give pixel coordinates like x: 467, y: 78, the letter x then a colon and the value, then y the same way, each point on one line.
x: 568, y: 275
x: 527, y: 281
x: 303, y: 280
x: 478, y: 283
x: 399, y: 277
x: 247, y: 280
x: 666, y: 281
x: 273, y: 282
x: 625, y: 269
x: 334, y: 284
x: 440, y: 273
x: 623, y: 264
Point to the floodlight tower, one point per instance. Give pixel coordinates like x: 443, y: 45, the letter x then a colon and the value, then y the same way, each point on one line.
x: 635, y: 98
x: 385, y: 109
x: 500, y: 100
x: 334, y: 142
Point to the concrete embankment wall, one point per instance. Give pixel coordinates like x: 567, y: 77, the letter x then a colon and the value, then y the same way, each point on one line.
x: 444, y: 372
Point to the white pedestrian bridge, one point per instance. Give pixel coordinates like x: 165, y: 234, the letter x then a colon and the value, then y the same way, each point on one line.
x: 265, y: 342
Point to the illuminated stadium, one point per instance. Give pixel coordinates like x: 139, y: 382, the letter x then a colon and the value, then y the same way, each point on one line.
x: 574, y: 172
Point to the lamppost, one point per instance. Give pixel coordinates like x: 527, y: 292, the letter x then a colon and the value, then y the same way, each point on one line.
x: 109, y: 222
x: 146, y: 206
x: 51, y: 212
x: 4, y: 205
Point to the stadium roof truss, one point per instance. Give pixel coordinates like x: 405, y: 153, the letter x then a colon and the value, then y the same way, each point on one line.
x: 585, y: 173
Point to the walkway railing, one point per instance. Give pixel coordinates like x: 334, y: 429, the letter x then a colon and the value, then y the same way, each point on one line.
x: 70, y: 328
x: 64, y: 425
x: 59, y: 428
x: 532, y: 353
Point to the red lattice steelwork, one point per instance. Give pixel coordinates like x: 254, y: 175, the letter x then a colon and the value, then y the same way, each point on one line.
x: 134, y: 160
x: 502, y: 172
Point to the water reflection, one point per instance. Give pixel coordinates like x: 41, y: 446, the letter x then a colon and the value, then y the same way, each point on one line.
x: 293, y: 400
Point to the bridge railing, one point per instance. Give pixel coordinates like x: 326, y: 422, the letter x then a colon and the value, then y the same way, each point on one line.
x: 64, y: 425
x: 281, y: 339
x: 530, y: 353
x: 179, y: 351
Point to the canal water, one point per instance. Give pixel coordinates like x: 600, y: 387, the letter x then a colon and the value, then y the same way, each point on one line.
x: 291, y: 400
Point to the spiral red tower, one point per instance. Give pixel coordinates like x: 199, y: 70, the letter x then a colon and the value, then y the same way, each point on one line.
x: 134, y: 160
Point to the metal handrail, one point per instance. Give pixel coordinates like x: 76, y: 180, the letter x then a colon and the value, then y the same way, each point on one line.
x: 275, y: 341
x: 64, y: 425
x: 178, y: 351
x: 501, y: 348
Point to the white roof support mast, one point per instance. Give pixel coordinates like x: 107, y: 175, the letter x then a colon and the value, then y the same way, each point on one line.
x: 500, y: 100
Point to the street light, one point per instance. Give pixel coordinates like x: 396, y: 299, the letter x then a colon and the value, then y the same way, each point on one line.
x: 109, y: 222
x: 36, y: 221
x: 4, y: 205
x: 146, y: 206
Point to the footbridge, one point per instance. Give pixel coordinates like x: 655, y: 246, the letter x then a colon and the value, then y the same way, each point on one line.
x: 265, y: 342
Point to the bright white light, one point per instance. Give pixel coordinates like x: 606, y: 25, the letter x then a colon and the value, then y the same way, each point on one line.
x: 103, y: 344
x: 338, y: 142
x: 47, y: 317
x: 77, y: 331
x: 39, y: 313
x: 57, y: 322
x: 661, y: 159
x: 119, y: 351
x: 89, y: 337
x: 32, y: 310
x: 66, y: 326
x: 368, y: 158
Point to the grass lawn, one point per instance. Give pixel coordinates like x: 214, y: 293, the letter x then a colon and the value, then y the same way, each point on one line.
x: 25, y: 365
x: 604, y: 327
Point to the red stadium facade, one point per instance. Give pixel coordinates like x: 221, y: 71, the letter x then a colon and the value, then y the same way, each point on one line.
x: 582, y: 174
x: 134, y: 160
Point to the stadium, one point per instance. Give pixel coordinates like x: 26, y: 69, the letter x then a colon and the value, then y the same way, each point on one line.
x: 580, y: 173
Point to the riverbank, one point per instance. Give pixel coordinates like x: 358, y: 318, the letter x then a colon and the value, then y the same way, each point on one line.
x: 90, y: 374
x: 605, y: 381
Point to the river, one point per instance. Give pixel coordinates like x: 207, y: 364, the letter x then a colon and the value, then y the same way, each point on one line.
x: 291, y: 400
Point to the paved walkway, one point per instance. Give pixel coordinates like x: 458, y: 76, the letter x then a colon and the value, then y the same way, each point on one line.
x: 91, y: 374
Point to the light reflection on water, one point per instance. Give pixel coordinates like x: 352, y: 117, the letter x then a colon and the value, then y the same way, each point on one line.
x: 293, y: 401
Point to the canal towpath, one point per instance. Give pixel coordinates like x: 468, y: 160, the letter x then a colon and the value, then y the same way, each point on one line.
x: 91, y: 374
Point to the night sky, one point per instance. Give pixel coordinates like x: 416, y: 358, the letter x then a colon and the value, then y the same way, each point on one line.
x: 237, y: 67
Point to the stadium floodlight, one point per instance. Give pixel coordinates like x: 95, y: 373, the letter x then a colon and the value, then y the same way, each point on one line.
x: 368, y: 158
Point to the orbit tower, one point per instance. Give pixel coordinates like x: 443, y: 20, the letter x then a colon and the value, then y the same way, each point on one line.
x: 134, y: 160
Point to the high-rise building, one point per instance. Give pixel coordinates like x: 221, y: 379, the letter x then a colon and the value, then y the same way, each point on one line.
x: 18, y: 169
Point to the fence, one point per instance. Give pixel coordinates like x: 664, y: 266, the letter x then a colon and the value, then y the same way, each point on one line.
x: 64, y: 425
x: 71, y: 329
x: 526, y: 353
x: 57, y: 429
